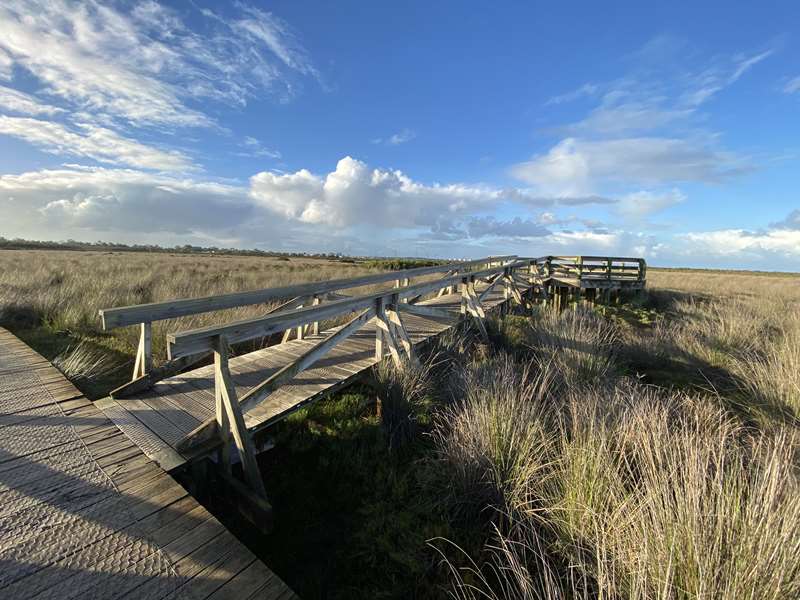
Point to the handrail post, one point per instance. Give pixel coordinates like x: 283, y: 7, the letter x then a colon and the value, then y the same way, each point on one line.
x: 379, y: 337
x: 144, y: 351
x: 315, y: 325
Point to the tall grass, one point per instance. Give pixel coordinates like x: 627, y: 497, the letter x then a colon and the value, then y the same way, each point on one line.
x: 597, y: 485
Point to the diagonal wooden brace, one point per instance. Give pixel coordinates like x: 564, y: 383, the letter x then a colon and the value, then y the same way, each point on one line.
x: 228, y: 408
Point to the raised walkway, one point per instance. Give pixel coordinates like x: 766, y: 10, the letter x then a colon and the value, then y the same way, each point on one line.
x: 84, y: 513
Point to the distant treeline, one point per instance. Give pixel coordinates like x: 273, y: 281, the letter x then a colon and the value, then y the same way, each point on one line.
x: 742, y: 271
x: 390, y: 264
x: 20, y: 244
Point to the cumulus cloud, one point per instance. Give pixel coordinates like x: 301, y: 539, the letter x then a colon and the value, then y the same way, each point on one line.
x: 575, y: 167
x: 354, y: 194
x: 92, y: 141
x: 143, y: 67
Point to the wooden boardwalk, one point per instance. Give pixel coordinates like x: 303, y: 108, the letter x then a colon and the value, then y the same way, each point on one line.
x: 160, y: 417
x: 84, y: 513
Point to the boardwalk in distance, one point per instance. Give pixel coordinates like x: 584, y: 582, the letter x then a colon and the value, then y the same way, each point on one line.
x: 85, y: 514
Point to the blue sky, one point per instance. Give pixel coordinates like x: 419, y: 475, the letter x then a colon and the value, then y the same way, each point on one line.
x: 450, y: 129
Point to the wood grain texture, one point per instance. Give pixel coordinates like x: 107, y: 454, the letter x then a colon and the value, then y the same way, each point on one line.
x: 87, y: 514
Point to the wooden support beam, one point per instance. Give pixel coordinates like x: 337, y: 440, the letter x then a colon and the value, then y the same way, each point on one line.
x: 384, y: 331
x: 260, y: 392
x: 241, y: 437
x: 515, y: 293
x: 401, y: 334
x: 254, y: 508
x: 470, y: 304
x: 148, y: 380
x: 208, y: 430
x: 488, y: 290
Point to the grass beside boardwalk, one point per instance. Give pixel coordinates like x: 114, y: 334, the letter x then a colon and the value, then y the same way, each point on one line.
x: 51, y: 298
x: 643, y: 450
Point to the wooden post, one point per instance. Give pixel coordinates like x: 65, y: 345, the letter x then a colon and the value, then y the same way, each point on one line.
x: 315, y: 325
x: 144, y: 352
x: 384, y: 326
x: 227, y: 394
x: 379, y: 337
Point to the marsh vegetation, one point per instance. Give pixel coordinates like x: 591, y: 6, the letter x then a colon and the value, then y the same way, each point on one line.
x: 642, y: 450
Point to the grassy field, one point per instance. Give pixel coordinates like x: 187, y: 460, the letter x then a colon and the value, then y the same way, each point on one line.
x: 642, y: 450
x: 51, y: 299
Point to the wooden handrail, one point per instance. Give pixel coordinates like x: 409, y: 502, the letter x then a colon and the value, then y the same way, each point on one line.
x: 201, y: 339
x: 159, y: 311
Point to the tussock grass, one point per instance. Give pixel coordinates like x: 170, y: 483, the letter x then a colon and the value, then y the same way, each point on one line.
x: 597, y: 485
x: 84, y: 363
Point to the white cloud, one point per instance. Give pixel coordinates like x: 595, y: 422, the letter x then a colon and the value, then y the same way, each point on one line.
x: 617, y: 117
x: 744, y: 244
x: 642, y: 204
x: 792, y: 86
x: 577, y: 167
x: 666, y: 87
x: 19, y: 102
x: 355, y: 194
x: 124, y: 201
x: 145, y: 67
x: 254, y: 148
x: 92, y: 141
x: 6, y: 65
x: 587, y: 89
x: 401, y: 137
x: 478, y: 227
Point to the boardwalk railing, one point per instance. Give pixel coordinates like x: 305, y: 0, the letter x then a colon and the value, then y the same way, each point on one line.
x: 591, y: 269
x: 312, y: 303
x: 297, y: 296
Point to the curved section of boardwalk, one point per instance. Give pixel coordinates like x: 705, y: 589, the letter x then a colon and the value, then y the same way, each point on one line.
x: 84, y: 513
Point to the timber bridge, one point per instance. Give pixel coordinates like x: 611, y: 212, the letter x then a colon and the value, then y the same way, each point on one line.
x: 100, y: 472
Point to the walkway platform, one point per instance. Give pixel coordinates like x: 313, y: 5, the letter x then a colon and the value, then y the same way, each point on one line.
x: 160, y: 417
x: 84, y: 513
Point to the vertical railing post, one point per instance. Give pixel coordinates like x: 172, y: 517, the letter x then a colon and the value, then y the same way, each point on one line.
x: 144, y: 351
x: 379, y: 337
x: 315, y: 324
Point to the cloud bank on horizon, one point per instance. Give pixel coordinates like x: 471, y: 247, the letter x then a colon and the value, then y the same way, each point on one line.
x: 183, y: 123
